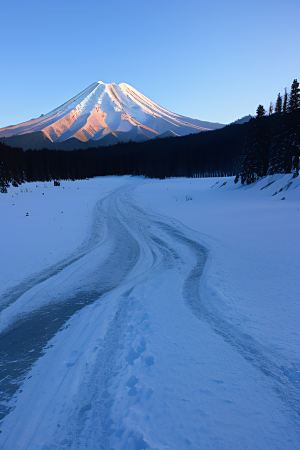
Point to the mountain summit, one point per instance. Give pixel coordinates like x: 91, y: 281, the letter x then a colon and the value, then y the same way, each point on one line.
x: 102, y: 114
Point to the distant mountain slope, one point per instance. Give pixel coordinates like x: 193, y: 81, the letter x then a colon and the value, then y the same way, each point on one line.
x: 243, y: 120
x: 102, y: 110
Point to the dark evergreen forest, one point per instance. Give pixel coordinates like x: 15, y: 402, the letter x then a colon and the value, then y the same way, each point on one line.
x: 264, y: 145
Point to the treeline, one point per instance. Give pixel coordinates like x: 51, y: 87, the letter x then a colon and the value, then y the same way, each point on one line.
x: 264, y: 145
x: 272, y: 143
x: 213, y: 153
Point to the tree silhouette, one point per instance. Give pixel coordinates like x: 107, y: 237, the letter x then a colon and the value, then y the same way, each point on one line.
x: 271, y: 109
x: 255, y: 159
x: 278, y: 105
x: 294, y: 101
x: 3, y: 179
x: 285, y: 101
x: 260, y: 112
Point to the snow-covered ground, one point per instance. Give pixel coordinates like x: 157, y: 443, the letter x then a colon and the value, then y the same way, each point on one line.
x: 160, y: 314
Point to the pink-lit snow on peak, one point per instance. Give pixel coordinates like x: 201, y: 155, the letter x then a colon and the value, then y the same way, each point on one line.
x: 101, y: 109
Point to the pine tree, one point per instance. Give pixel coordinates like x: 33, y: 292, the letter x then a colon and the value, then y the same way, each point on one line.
x: 294, y: 101
x: 285, y: 145
x: 279, y: 151
x: 285, y: 101
x: 3, y: 179
x: 271, y: 108
x: 255, y: 157
x: 260, y: 112
x: 278, y: 106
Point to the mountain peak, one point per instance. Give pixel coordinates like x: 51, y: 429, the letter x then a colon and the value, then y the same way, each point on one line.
x: 108, y: 108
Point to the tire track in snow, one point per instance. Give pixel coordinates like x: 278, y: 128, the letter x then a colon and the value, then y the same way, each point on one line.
x: 285, y: 383
x: 161, y: 244
x: 96, y: 238
x: 24, y: 341
x: 93, y: 403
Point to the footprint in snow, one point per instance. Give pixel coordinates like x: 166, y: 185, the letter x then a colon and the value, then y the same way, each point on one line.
x: 132, y: 354
x: 149, y: 360
x: 131, y: 384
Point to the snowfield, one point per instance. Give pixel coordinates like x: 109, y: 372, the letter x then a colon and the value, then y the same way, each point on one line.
x: 150, y: 314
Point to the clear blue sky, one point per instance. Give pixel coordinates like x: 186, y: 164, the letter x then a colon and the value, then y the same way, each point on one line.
x: 213, y: 60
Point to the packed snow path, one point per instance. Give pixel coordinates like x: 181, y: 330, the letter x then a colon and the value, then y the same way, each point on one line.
x: 129, y: 356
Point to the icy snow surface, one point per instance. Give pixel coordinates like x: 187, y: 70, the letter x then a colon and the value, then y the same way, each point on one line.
x: 150, y: 314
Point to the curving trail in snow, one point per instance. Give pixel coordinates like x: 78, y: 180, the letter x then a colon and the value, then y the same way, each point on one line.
x: 115, y: 348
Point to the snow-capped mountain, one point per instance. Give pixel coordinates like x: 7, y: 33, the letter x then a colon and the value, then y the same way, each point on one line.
x: 110, y: 111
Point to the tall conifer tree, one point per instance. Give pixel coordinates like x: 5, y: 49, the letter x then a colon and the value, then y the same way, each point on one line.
x: 294, y: 101
x: 4, y: 184
x: 271, y: 108
x: 285, y: 101
x: 260, y: 112
x: 255, y: 157
x: 278, y: 106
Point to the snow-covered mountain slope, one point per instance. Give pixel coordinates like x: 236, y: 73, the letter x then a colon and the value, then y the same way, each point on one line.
x: 104, y: 109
